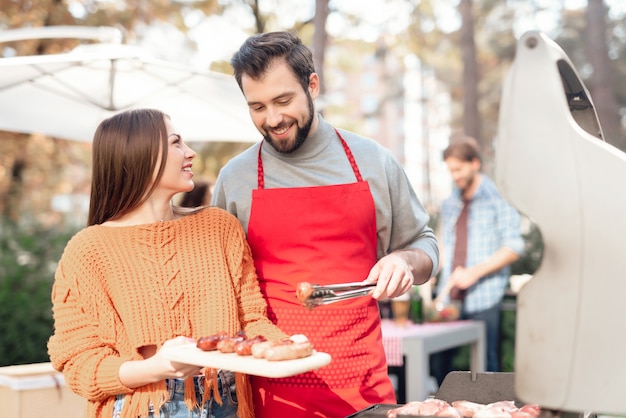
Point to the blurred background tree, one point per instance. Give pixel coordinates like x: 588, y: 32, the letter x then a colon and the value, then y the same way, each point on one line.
x: 27, y: 263
x: 469, y: 46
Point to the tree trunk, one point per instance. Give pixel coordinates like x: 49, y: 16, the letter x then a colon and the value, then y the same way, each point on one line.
x: 601, y: 83
x: 259, y: 20
x: 471, y: 116
x: 320, y: 38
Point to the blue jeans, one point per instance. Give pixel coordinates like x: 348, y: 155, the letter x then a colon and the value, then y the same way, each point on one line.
x: 176, y: 408
x: 491, y: 318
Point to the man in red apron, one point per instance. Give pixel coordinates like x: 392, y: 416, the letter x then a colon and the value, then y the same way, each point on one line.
x: 323, y: 206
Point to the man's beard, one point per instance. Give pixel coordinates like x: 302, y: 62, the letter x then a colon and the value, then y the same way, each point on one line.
x: 469, y: 181
x: 288, y: 147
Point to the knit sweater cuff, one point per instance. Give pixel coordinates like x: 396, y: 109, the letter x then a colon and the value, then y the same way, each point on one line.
x: 109, y: 378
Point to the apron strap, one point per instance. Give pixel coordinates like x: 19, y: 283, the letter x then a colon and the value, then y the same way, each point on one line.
x: 260, y: 176
x: 346, y: 148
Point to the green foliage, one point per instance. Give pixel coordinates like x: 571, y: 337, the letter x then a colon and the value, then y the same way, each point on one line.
x: 533, y: 251
x: 507, y: 341
x: 28, y: 258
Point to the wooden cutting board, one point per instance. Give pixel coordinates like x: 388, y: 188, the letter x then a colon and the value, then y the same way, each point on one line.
x: 190, y: 354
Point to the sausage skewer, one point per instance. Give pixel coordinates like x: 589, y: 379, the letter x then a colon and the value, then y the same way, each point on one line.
x: 313, y: 295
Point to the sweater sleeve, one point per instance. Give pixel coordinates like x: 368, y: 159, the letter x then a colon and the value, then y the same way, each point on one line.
x: 252, y: 305
x: 77, y: 347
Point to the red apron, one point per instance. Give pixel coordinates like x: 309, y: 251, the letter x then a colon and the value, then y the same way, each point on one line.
x: 321, y: 235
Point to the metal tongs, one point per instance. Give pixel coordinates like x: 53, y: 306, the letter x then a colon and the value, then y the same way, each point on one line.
x: 324, y: 295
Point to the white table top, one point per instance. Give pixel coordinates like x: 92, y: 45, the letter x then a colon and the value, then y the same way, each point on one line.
x: 412, y: 345
x: 393, y: 335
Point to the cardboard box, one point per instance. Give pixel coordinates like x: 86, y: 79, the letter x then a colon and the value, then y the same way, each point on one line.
x: 37, y: 390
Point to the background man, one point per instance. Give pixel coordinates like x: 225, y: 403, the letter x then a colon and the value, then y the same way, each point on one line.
x: 480, y: 234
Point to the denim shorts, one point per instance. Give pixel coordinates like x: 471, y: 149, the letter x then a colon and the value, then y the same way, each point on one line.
x: 176, y: 408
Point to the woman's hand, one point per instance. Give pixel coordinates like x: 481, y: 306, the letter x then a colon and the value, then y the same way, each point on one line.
x: 157, y: 367
x: 175, y: 369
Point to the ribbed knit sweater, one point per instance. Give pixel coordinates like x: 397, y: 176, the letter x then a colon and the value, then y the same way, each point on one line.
x: 118, y: 289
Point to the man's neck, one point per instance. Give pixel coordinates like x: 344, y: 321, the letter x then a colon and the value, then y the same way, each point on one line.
x: 470, y: 192
x: 315, y: 124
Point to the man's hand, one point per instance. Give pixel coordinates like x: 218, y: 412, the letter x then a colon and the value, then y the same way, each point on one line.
x: 392, y: 275
x: 464, y: 277
x: 395, y: 273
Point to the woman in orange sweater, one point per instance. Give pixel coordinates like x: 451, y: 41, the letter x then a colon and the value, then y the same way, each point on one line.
x: 144, y: 275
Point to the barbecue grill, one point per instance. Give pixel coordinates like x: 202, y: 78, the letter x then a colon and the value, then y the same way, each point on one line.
x: 553, y: 165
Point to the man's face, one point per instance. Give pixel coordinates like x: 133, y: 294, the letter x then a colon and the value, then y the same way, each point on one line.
x: 280, y: 108
x: 463, y: 172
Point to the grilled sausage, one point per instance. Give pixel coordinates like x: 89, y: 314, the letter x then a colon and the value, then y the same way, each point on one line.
x: 258, y: 349
x: 227, y: 344
x: 288, y: 351
x: 210, y: 343
x: 304, y: 290
x: 296, y: 346
x: 244, y: 348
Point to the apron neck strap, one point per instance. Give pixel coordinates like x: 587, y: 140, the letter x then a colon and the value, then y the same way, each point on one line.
x: 346, y: 148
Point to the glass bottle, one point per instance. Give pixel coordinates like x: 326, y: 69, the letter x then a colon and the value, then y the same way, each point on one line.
x: 416, y: 313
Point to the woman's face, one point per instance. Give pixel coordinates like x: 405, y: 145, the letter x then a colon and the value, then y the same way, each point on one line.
x: 177, y: 175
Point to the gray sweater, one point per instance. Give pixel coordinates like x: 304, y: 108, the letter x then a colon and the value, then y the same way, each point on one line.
x: 401, y: 220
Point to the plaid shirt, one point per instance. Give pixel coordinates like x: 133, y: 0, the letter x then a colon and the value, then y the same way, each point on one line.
x: 492, y: 224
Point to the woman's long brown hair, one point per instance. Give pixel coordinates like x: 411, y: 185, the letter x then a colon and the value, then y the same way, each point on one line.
x: 126, y: 149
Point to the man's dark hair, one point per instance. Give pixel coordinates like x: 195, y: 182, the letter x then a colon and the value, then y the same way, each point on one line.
x: 260, y: 51
x: 464, y: 148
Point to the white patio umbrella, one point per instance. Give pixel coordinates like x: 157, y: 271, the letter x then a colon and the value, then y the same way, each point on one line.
x: 67, y: 95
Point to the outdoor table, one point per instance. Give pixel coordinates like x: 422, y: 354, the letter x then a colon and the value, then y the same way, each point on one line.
x: 416, y: 342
